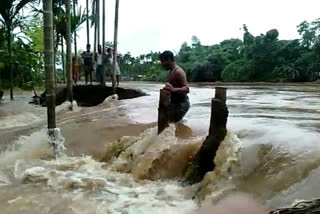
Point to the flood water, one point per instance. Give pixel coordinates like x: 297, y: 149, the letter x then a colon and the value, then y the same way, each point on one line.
x: 271, y: 152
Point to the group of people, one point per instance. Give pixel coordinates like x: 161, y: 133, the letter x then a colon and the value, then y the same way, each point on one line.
x: 99, y: 59
x: 177, y: 80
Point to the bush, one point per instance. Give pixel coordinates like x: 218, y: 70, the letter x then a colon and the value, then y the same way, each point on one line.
x: 240, y: 70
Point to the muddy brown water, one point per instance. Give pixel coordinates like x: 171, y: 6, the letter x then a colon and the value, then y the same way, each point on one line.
x: 276, y: 157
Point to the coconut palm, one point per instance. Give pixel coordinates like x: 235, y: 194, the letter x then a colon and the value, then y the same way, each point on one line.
x: 115, y: 45
x: 48, y: 62
x: 68, y: 58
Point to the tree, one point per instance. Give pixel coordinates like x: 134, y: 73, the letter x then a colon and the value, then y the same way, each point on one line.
x: 49, y: 61
x: 88, y: 35
x: 68, y: 58
x: 115, y: 45
x: 98, y: 21
x: 103, y: 41
x: 11, y: 19
x: 34, y: 31
x: 74, y: 33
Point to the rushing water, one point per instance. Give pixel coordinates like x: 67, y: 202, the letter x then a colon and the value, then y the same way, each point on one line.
x: 271, y: 151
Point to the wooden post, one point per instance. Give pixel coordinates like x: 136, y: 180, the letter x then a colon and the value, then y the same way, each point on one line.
x: 221, y: 94
x: 202, y: 162
x: 163, y: 113
x: 218, y: 103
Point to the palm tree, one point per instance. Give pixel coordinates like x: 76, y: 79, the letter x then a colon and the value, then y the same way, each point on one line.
x: 74, y: 33
x: 94, y: 6
x: 78, y: 18
x: 103, y: 41
x: 115, y: 42
x: 60, y: 21
x: 76, y: 22
x: 68, y: 58
x: 88, y: 36
x: 98, y: 21
x: 49, y: 61
x: 10, y: 18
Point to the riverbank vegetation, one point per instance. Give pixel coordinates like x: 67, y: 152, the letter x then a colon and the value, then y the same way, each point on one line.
x: 252, y: 58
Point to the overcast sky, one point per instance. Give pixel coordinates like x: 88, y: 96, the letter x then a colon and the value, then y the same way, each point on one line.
x: 157, y: 25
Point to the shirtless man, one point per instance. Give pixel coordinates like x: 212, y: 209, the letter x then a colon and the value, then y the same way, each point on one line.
x: 88, y: 64
x: 177, y: 85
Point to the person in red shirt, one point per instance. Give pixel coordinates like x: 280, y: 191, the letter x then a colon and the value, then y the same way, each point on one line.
x: 75, y: 72
x: 177, y: 85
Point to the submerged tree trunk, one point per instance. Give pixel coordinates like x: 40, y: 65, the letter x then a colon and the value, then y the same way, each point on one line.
x: 303, y: 207
x: 68, y: 58
x: 115, y: 46
x: 203, y: 161
x: 49, y: 61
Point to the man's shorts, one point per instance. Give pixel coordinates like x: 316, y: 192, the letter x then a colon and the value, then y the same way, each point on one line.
x: 88, y: 68
x: 178, y: 110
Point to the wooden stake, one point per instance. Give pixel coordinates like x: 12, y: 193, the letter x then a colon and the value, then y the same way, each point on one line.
x: 202, y: 162
x: 221, y: 94
x: 163, y: 113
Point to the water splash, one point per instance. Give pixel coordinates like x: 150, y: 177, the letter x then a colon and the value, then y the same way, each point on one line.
x: 215, y: 184
x: 84, y: 179
x: 152, y: 156
x: 110, y: 101
x: 57, y: 141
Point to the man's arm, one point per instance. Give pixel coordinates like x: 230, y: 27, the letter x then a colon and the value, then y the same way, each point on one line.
x: 180, y: 76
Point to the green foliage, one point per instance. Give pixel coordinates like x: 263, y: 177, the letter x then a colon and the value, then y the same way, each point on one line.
x: 240, y: 70
x: 17, y: 57
x: 34, y: 31
x: 255, y: 58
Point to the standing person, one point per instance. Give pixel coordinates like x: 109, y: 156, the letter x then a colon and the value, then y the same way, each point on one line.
x: 177, y: 85
x: 99, y: 60
x: 117, y: 68
x: 75, y: 72
x: 87, y: 57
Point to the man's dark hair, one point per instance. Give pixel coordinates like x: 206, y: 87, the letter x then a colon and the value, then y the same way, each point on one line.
x: 166, y: 55
x: 109, y: 50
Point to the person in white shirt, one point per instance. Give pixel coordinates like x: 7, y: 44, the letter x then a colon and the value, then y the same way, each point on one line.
x: 117, y: 68
x: 99, y: 60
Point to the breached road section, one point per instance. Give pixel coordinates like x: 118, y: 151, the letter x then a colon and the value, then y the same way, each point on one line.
x: 92, y: 95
